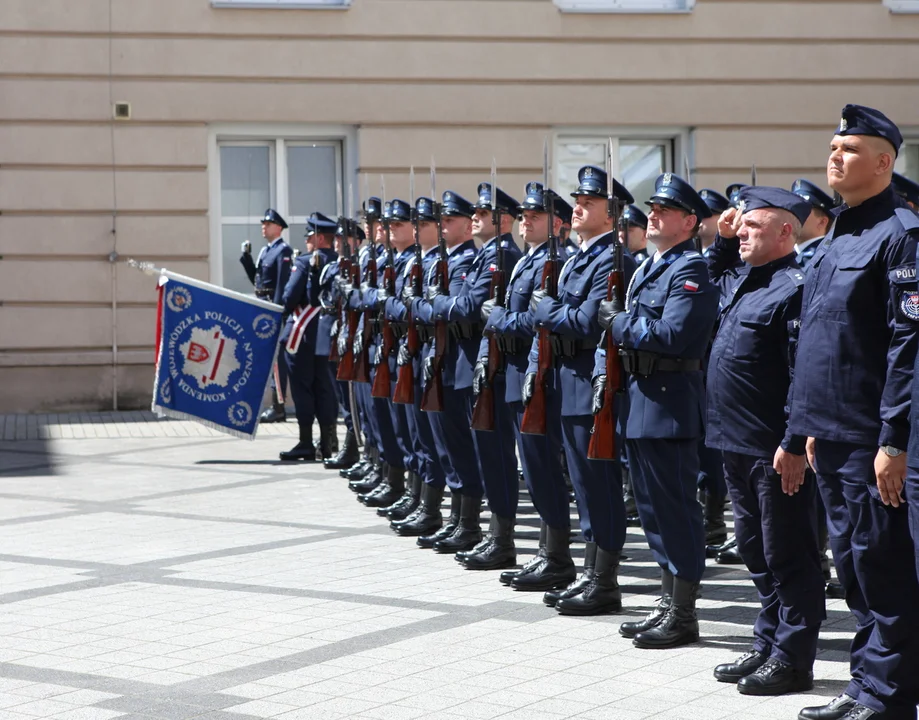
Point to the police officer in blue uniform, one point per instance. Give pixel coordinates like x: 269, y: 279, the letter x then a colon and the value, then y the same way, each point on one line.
x: 495, y: 460
x: 572, y: 318
x: 450, y: 428
x: 906, y: 189
x: 750, y: 368
x: 664, y: 331
x: 305, y: 338
x: 269, y: 275
x: 732, y: 192
x: 389, y: 418
x: 712, y: 489
x: 633, y: 229
x: 851, y: 400
x: 513, y: 328
x: 819, y: 221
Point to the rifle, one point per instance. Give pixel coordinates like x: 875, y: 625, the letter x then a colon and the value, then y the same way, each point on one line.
x: 534, y: 421
x: 344, y: 269
x: 483, y: 412
x: 432, y: 399
x: 346, y: 362
x: 404, y: 393
x: 603, y: 436
x: 362, y: 362
x: 382, y: 382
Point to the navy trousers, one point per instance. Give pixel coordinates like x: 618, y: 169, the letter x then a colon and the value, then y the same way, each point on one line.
x: 664, y: 475
x: 419, y: 423
x: 542, y: 470
x: 453, y: 438
x: 711, y: 471
x: 408, y: 441
x: 312, y: 387
x: 343, y: 393
x: 496, y: 456
x: 281, y: 374
x: 597, y: 486
x: 912, y: 497
x: 872, y: 550
x: 389, y: 446
x: 777, y: 539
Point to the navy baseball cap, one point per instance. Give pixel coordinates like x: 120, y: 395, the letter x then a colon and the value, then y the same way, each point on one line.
x: 861, y: 120
x: 673, y: 191
x: 756, y: 197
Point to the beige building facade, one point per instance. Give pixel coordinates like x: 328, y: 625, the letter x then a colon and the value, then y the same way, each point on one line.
x: 235, y: 106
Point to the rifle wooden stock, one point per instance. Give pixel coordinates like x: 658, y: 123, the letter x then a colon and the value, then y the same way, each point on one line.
x: 432, y: 397
x: 603, y: 436
x: 534, y: 421
x: 362, y: 361
x: 382, y: 382
x: 344, y: 267
x: 483, y: 412
x: 404, y: 394
x: 346, y: 361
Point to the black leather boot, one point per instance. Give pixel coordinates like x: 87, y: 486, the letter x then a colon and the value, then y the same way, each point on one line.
x: 389, y: 490
x: 303, y: 451
x: 405, y: 505
x: 557, y: 570
x: 427, y: 517
x: 746, y: 664
x: 276, y: 413
x: 590, y: 562
x: 500, y: 552
x: 716, y: 532
x: 628, y: 497
x: 347, y: 456
x: 468, y: 532
x: 448, y: 528
x: 508, y: 575
x: 679, y: 625
x: 601, y: 594
x: 835, y: 709
x: 775, y: 677
x: 631, y: 629
x: 370, y: 481
x: 369, y: 460
x: 328, y: 441
x: 729, y: 554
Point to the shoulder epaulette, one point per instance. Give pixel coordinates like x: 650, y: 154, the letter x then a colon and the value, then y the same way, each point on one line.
x: 796, y: 275
x: 909, y: 219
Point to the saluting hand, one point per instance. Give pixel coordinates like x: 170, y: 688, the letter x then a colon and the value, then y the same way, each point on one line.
x: 247, y: 247
x: 791, y: 469
x: 729, y: 223
x: 891, y: 473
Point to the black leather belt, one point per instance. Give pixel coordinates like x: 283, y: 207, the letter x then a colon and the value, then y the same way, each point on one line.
x: 645, y: 364
x: 569, y: 347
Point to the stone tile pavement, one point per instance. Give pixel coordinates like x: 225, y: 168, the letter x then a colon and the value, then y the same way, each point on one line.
x: 156, y: 570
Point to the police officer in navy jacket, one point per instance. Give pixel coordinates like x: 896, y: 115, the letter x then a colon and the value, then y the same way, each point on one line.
x: 497, y: 462
x: 633, y: 229
x: 851, y: 398
x: 572, y: 318
x: 269, y: 275
x: 748, y: 378
x: 906, y: 189
x: 514, y: 328
x: 664, y: 330
x: 306, y: 344
x: 817, y: 223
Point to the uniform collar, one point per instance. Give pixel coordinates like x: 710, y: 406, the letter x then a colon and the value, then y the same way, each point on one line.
x: 802, y: 246
x: 465, y: 245
x: 585, y: 246
x: 770, y: 267
x: 674, y: 252
x: 882, y: 203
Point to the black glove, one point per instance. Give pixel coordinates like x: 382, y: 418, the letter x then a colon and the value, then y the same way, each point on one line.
x: 433, y: 292
x: 480, y: 376
x: 342, y: 345
x: 358, y: 347
x: 599, y: 397
x: 427, y: 368
x: 488, y: 307
x: 403, y: 358
x: 529, y: 387
x: 536, y: 298
x: 608, y: 311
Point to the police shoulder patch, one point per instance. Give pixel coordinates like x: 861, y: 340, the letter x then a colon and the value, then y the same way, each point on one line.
x: 909, y: 304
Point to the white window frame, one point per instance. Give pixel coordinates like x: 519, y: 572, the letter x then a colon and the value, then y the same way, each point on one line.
x: 678, y: 137
x: 625, y: 6
x: 277, y: 136
x: 284, y: 4
x: 902, y: 6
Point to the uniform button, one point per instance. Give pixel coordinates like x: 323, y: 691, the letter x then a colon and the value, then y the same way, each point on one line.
x: 653, y: 301
x: 663, y: 389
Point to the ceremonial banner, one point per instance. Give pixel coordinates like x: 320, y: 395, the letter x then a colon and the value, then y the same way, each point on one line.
x: 214, y: 354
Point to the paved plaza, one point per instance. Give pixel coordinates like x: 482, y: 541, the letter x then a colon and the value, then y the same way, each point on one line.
x: 159, y: 570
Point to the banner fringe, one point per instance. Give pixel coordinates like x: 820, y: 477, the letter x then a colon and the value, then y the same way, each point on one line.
x: 165, y: 412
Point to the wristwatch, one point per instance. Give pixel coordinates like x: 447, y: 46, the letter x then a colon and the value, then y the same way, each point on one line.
x: 891, y: 451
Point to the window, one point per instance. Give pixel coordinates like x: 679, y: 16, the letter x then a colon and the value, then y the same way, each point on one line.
x: 641, y: 161
x: 295, y: 4
x: 296, y: 177
x: 903, y: 6
x: 908, y: 159
x: 624, y: 6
